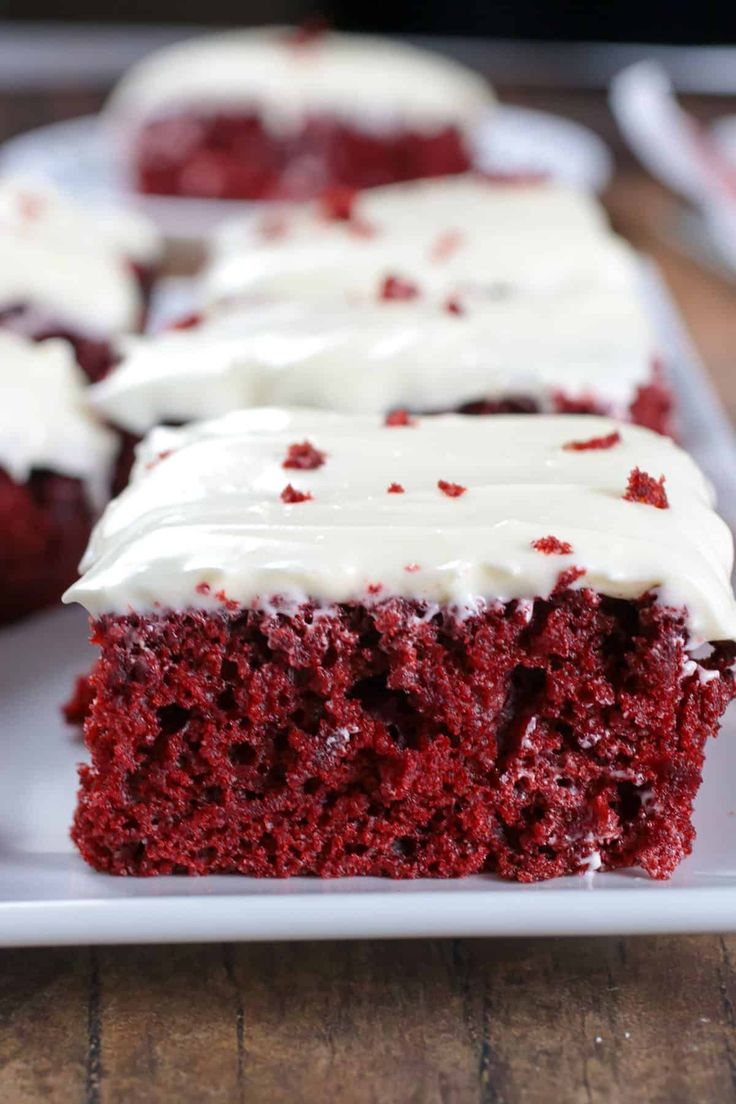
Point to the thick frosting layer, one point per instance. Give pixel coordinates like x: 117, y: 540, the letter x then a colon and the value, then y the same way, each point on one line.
x: 72, y: 260
x: 376, y: 357
x: 373, y: 81
x: 204, y: 514
x: 44, y: 420
x: 443, y: 236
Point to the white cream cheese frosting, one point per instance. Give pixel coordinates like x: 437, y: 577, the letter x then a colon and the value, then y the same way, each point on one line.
x: 44, y: 419
x: 376, y: 357
x: 204, y: 514
x: 374, y: 82
x: 72, y: 261
x: 444, y: 236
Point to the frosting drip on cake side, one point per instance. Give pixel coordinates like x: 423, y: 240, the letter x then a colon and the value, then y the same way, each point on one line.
x: 209, y: 511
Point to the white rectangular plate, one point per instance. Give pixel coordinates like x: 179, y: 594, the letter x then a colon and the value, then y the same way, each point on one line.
x: 48, y: 895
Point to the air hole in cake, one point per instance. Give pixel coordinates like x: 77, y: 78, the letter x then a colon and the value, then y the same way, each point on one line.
x: 406, y: 846
x: 525, y: 685
x: 242, y: 755
x: 391, y: 707
x: 172, y: 719
x: 226, y: 700
x: 629, y: 801
x: 229, y: 670
x: 268, y: 843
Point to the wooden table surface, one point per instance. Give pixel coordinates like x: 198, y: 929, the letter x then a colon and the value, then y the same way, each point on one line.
x: 454, y: 1021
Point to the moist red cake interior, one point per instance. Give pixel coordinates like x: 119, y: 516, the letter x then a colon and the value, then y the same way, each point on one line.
x: 233, y: 156
x: 396, y: 740
x: 44, y: 528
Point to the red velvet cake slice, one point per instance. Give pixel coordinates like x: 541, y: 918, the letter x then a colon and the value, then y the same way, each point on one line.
x: 582, y: 352
x: 278, y: 112
x: 73, y: 272
x: 333, y: 646
x: 433, y: 239
x: 55, y: 463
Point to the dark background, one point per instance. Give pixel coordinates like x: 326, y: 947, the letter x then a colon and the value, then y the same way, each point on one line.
x: 676, y: 21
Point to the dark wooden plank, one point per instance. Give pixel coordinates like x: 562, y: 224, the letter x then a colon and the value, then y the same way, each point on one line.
x: 605, y: 1020
x: 44, y: 1026
x: 359, y: 1022
x: 168, y: 1026
x: 599, y: 1021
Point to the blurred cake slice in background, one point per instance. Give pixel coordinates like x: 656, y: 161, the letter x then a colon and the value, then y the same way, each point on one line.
x: 433, y: 238
x: 55, y: 465
x: 280, y: 112
x: 68, y: 270
x: 588, y: 352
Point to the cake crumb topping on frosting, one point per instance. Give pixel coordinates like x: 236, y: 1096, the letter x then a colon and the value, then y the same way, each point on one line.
x: 644, y: 488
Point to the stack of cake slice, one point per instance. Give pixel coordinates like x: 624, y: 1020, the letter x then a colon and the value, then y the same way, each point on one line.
x: 365, y: 640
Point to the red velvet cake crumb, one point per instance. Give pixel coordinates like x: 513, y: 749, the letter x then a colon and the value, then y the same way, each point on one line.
x: 399, y: 418
x: 396, y: 739
x: 291, y: 494
x: 187, y: 321
x: 228, y: 603
x: 551, y: 546
x: 453, y: 306
x: 644, y: 488
x: 447, y: 244
x: 338, y: 203
x: 203, y: 588
x: 395, y: 488
x: 304, y: 456
x: 273, y: 226
x: 76, y: 709
x: 452, y: 490
x: 606, y: 442
x: 566, y: 579
x: 394, y: 287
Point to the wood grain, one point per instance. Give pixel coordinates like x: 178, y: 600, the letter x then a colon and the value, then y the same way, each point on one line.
x: 595, y: 1021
